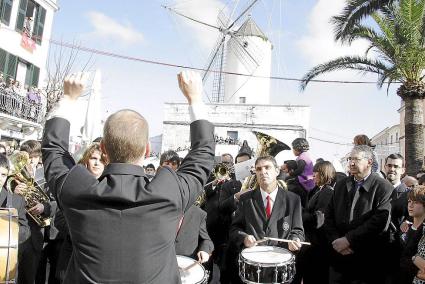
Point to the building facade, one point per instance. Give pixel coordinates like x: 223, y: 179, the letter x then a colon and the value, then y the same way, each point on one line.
x: 387, y: 142
x: 234, y: 123
x: 25, y: 30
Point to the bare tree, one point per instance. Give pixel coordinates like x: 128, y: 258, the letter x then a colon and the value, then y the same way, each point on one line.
x: 62, y: 61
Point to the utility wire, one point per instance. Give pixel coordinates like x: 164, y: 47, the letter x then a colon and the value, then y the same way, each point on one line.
x: 172, y: 65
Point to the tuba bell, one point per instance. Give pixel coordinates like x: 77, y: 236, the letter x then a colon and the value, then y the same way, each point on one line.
x: 267, y: 146
x: 33, y: 194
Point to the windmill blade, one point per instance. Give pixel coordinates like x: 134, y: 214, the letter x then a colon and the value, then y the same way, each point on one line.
x: 190, y: 18
x: 247, y: 52
x: 213, y: 56
x: 218, y: 80
x: 242, y: 14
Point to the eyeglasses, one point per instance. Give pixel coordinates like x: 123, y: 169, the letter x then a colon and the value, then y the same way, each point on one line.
x: 355, y: 159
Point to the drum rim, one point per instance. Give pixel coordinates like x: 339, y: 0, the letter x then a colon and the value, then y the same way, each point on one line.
x: 262, y: 264
x: 203, y: 269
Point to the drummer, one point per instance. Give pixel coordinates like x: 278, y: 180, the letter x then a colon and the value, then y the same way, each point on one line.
x: 268, y: 211
x: 16, y: 201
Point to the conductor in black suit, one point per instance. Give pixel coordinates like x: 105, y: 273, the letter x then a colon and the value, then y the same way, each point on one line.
x: 122, y: 227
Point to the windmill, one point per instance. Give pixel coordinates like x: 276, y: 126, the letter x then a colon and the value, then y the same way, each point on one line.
x: 230, y: 41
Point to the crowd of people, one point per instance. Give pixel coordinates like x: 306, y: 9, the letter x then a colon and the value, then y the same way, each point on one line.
x: 19, y: 100
x: 113, y: 220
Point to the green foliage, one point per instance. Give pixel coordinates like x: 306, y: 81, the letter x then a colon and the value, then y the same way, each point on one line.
x: 396, y: 37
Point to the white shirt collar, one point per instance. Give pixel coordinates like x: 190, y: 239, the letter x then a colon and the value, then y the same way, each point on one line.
x: 272, y: 194
x: 397, y: 184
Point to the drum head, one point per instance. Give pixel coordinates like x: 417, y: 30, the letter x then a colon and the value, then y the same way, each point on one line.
x: 266, y: 255
x: 191, y: 272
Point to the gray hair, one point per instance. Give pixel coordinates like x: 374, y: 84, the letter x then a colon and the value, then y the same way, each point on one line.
x: 364, y: 149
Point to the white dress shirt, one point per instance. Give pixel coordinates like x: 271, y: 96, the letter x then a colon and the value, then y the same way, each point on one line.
x: 272, y: 197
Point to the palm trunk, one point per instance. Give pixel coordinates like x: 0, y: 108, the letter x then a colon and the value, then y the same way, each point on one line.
x: 414, y: 134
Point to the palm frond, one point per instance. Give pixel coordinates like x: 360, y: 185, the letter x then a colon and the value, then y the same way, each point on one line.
x: 353, y: 13
x: 358, y: 63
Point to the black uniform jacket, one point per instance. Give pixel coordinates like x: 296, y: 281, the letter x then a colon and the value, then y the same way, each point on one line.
x: 250, y: 218
x: 122, y: 227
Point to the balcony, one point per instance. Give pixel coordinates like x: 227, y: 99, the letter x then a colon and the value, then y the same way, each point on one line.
x: 28, y: 108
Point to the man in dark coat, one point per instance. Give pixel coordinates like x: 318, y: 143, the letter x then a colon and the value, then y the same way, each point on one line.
x: 122, y: 227
x: 192, y: 237
x: 356, y: 222
x: 394, y: 169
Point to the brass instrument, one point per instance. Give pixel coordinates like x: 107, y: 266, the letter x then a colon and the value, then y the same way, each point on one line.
x: 33, y: 193
x: 267, y: 146
x: 221, y: 171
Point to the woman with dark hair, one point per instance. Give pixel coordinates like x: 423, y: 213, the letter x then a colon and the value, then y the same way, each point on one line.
x: 304, y: 170
x: 312, y: 261
x: 94, y: 160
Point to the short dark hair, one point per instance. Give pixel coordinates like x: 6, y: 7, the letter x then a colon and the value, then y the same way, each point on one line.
x: 291, y: 165
x: 150, y: 166
x: 241, y: 155
x: 32, y: 147
x: 3, y: 147
x: 169, y: 156
x: 301, y: 145
x: 421, y: 180
x: 4, y: 162
x: 266, y: 158
x: 395, y: 156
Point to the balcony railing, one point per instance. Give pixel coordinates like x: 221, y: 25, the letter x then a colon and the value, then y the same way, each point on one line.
x: 19, y: 106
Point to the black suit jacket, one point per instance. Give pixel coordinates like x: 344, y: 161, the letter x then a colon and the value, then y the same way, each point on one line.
x: 371, y: 214
x: 318, y: 201
x: 250, y: 218
x: 193, y: 236
x: 122, y: 227
x: 18, y: 203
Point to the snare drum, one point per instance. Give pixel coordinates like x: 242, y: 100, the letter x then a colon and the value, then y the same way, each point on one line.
x: 9, y: 233
x: 191, y: 272
x: 266, y: 264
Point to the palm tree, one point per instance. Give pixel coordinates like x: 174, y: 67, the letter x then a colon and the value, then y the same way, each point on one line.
x: 396, y: 35
x: 353, y: 13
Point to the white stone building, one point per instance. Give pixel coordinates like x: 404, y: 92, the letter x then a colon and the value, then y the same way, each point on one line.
x: 387, y: 142
x: 237, y: 121
x: 25, y: 30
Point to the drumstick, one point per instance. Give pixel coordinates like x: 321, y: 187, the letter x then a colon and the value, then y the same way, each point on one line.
x: 285, y: 241
x: 189, y: 267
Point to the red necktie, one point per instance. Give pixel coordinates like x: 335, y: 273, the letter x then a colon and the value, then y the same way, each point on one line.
x: 268, y: 207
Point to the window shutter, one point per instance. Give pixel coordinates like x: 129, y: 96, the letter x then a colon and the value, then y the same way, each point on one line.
x: 3, y: 55
x: 28, y: 74
x: 6, y: 9
x: 22, y: 11
x: 12, y: 62
x: 35, y: 75
x: 39, y: 24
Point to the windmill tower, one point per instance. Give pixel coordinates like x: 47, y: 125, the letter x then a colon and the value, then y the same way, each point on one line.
x: 253, y: 58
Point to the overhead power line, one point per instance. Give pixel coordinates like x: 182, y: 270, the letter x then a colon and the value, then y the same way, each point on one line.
x: 173, y: 65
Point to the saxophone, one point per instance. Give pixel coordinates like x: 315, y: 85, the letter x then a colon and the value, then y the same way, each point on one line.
x: 33, y: 193
x: 267, y: 146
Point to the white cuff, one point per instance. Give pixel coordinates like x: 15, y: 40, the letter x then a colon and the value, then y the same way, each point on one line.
x: 65, y: 108
x: 197, y: 111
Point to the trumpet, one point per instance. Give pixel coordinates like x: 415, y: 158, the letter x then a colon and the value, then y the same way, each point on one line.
x: 221, y: 171
x: 33, y: 194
